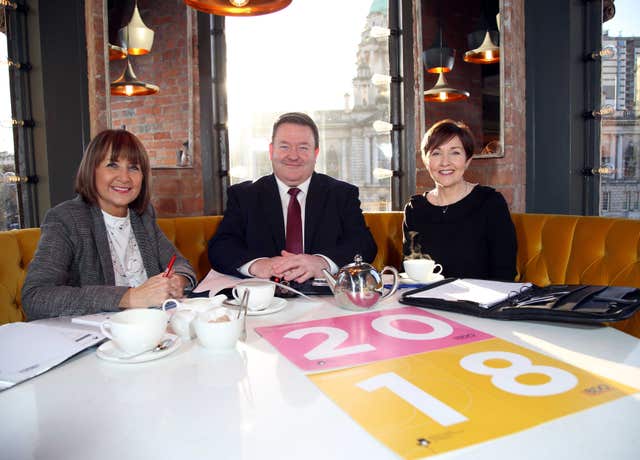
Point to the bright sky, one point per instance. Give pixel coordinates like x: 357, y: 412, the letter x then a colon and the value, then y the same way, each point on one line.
x: 300, y: 58
x: 626, y: 22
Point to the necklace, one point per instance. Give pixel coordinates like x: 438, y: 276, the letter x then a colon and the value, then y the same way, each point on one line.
x: 464, y: 193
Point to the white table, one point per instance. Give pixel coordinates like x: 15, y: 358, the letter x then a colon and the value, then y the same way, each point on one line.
x: 254, y: 404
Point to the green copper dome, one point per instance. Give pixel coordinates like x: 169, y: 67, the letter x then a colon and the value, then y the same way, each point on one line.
x: 378, y: 6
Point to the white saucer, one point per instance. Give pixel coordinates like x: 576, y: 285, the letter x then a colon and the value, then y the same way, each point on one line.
x: 404, y: 279
x: 109, y: 352
x: 275, y: 306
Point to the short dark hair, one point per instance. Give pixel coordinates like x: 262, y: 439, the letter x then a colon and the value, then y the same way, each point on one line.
x: 297, y: 118
x: 442, y: 132
x: 117, y: 143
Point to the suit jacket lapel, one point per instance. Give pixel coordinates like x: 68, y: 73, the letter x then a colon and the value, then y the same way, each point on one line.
x: 102, y: 245
x: 314, y: 205
x: 272, y: 209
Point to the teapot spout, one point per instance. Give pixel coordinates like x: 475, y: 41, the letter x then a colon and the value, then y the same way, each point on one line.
x: 331, y: 280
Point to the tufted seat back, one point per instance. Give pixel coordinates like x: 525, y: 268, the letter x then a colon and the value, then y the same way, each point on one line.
x: 552, y: 249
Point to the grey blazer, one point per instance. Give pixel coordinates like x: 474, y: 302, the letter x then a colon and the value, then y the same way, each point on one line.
x: 72, y: 272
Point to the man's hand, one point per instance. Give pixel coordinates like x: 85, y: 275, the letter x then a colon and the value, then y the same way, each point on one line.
x: 299, y: 267
x: 263, y: 268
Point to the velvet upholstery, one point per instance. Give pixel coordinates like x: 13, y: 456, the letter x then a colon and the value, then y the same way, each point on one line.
x: 552, y: 249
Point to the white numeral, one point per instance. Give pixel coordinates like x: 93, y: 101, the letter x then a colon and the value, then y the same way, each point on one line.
x: 505, y: 377
x: 328, y: 348
x: 384, y: 326
x: 424, y: 402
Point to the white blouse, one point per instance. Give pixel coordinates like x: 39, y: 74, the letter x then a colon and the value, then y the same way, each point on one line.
x: 128, y: 267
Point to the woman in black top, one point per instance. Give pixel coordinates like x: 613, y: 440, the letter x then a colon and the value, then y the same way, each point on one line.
x: 464, y: 227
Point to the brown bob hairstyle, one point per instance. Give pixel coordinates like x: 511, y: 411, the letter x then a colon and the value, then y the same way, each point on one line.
x: 442, y: 132
x: 117, y: 144
x: 297, y: 118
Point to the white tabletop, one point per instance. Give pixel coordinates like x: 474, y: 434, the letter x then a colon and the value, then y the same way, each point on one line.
x: 254, y: 404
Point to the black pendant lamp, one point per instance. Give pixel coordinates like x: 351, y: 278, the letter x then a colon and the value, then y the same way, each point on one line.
x: 439, y: 58
x: 129, y: 85
x: 238, y: 7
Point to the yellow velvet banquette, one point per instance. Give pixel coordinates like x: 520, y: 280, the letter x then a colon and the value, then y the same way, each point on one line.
x: 552, y: 249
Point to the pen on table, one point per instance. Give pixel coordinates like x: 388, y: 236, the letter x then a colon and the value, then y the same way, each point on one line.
x: 167, y: 272
x: 405, y: 286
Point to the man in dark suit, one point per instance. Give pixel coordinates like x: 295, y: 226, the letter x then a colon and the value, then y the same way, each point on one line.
x: 294, y: 222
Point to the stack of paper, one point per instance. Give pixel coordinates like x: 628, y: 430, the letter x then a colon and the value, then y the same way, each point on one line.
x: 28, y: 349
x: 484, y: 292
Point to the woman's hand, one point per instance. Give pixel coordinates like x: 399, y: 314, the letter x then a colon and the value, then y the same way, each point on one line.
x: 154, y: 291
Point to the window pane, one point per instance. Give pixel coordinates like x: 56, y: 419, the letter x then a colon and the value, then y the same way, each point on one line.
x: 620, y: 131
x: 317, y: 57
x: 9, y: 216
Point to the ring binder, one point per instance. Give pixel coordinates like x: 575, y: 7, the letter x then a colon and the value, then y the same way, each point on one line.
x: 590, y: 304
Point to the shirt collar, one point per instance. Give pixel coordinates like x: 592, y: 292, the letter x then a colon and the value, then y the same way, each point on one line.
x: 283, y: 189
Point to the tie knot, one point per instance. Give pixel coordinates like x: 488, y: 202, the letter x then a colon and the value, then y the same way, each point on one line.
x: 294, y: 191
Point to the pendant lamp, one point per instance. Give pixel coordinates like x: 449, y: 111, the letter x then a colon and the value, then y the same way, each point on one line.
x: 439, y: 58
x: 442, y: 92
x: 238, y: 7
x: 129, y: 85
x: 486, y: 53
x: 136, y: 37
x: 116, y: 53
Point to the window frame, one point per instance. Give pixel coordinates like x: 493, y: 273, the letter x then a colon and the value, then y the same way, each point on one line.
x: 213, y: 100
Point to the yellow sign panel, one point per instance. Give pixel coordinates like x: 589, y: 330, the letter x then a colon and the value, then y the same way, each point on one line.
x: 442, y: 400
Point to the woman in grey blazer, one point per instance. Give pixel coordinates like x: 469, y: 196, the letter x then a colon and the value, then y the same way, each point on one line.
x: 103, y: 250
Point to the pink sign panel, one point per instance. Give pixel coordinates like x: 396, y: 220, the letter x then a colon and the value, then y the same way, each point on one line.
x: 346, y: 341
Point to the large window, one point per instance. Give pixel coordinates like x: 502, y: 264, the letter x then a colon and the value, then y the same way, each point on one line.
x: 620, y: 126
x: 9, y: 216
x: 329, y: 59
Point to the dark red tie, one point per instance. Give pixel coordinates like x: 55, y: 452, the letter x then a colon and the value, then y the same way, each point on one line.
x: 294, y: 223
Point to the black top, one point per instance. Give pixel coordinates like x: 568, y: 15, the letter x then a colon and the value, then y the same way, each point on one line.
x: 472, y: 238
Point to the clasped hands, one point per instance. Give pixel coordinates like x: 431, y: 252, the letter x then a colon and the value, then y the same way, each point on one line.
x: 291, y: 267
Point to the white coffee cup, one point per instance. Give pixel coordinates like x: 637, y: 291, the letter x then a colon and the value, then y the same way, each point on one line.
x: 421, y: 270
x: 136, y: 330
x: 260, y: 293
x: 186, y: 311
x: 215, y: 332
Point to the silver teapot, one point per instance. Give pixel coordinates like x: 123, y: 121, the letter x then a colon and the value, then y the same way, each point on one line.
x: 358, y: 286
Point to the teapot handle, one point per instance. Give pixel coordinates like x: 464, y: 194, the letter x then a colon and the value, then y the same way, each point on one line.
x: 396, y: 278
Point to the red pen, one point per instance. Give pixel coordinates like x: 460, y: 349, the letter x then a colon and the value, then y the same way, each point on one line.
x: 167, y: 272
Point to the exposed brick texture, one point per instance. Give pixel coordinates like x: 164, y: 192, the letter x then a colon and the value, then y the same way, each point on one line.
x: 506, y: 174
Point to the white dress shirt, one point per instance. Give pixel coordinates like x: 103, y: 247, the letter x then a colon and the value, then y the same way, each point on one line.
x: 283, y: 190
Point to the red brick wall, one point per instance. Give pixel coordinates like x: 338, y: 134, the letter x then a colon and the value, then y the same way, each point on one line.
x: 506, y: 174
x: 166, y: 120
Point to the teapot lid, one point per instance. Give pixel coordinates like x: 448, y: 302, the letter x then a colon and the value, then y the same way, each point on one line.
x: 358, y: 265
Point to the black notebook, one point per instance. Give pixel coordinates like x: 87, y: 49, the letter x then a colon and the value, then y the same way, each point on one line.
x: 525, y: 301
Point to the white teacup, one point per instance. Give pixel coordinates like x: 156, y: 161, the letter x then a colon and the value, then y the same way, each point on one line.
x: 136, y: 330
x: 422, y: 270
x: 186, y: 311
x: 260, y: 293
x: 218, y: 329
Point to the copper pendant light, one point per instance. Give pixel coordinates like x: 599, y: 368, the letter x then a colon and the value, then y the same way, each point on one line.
x: 129, y: 85
x: 486, y: 53
x: 238, y: 7
x: 116, y: 53
x: 442, y: 92
x: 136, y: 37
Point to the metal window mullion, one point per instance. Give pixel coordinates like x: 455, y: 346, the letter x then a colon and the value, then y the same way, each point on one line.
x: 17, y: 50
